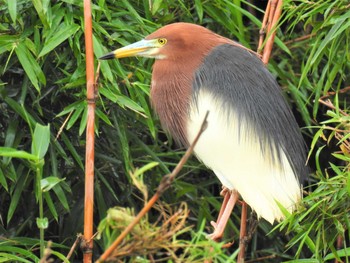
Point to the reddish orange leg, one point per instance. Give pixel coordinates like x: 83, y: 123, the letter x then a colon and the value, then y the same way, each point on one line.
x: 224, y: 215
x: 226, y: 194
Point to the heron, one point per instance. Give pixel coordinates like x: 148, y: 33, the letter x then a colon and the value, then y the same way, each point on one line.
x: 252, y: 143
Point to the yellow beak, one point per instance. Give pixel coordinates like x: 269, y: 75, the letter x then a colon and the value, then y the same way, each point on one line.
x: 143, y: 48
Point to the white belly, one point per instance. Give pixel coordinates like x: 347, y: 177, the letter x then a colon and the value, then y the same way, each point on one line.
x: 236, y: 158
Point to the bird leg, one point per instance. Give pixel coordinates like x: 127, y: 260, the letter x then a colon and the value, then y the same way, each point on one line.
x: 229, y: 202
x: 225, y: 192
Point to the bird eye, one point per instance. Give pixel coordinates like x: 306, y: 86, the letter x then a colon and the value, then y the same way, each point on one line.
x: 162, y: 41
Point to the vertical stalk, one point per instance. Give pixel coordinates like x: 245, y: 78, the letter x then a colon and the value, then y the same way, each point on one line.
x: 90, y: 135
x: 39, y: 170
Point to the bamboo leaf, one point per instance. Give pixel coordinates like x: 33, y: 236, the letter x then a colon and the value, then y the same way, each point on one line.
x: 61, y: 196
x: 28, y: 63
x: 63, y: 33
x: 78, y: 110
x: 16, y: 196
x: 83, y: 121
x: 12, y: 7
x: 345, y: 252
x: 6, y: 257
x: 334, y: 32
x: 41, y: 140
x: 103, y: 117
x: 51, y: 205
x: 38, y: 4
x: 19, y: 251
x: 49, y: 182
x: 3, y: 180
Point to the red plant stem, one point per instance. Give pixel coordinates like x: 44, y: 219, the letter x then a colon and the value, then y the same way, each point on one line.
x: 90, y: 136
x: 242, y: 233
x: 274, y: 17
x: 262, y: 32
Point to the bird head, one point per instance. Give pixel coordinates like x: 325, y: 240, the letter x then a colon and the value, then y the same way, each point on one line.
x: 174, y: 41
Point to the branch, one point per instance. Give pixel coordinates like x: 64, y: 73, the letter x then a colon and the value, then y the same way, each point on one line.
x: 164, y: 185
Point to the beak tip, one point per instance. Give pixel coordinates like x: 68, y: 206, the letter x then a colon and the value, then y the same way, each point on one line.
x: 110, y: 55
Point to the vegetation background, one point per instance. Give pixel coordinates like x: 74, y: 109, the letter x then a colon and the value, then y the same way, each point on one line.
x: 43, y: 118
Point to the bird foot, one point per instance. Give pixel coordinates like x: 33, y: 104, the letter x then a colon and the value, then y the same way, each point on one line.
x: 224, y: 191
x: 217, y: 235
x: 218, y: 232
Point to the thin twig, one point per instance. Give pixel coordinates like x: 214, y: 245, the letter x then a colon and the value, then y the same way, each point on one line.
x: 63, y: 125
x: 76, y: 242
x: 164, y: 184
x: 330, y: 93
x: 261, y: 259
x: 299, y: 39
x: 330, y: 105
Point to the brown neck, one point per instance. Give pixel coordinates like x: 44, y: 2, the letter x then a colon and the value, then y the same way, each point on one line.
x: 170, y: 96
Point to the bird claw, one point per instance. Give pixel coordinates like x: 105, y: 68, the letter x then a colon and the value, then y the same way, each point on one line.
x: 217, y: 234
x: 224, y: 191
x: 214, y: 224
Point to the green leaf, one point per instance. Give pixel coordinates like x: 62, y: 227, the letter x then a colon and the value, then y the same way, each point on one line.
x: 49, y: 182
x: 99, y: 51
x: 345, y: 252
x: 78, y: 110
x: 10, y: 152
x: 60, y: 256
x: 38, y: 4
x: 145, y: 168
x: 42, y: 223
x: 29, y: 64
x: 5, y: 257
x: 334, y: 32
x: 341, y: 157
x: 132, y: 105
x: 50, y: 205
x: 83, y: 121
x: 65, y: 32
x: 41, y: 140
x: 24, y: 253
x: 72, y: 150
x: 3, y: 180
x: 12, y: 7
x: 103, y: 116
x: 132, y: 12
x: 156, y: 5
x: 21, y: 111
x: 16, y: 196
x: 199, y: 8
x: 61, y: 196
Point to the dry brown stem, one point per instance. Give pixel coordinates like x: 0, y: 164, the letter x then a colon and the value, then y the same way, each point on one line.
x: 164, y: 184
